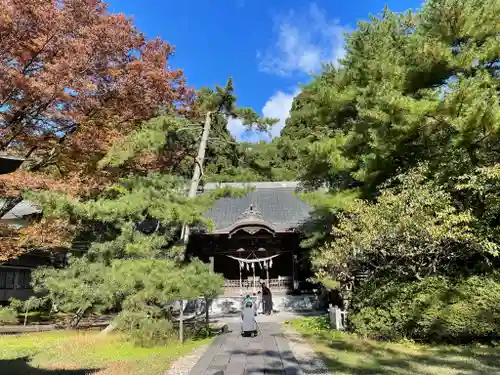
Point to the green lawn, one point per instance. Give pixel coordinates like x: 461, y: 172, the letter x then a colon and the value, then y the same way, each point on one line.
x: 347, y: 354
x: 80, y: 353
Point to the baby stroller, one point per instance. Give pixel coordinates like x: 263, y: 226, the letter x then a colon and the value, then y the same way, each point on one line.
x: 248, y: 323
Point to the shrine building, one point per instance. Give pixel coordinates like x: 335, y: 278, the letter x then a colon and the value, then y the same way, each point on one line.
x: 256, y: 238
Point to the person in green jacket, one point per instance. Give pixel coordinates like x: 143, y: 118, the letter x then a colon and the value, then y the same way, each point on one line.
x: 250, y: 300
x: 247, y: 299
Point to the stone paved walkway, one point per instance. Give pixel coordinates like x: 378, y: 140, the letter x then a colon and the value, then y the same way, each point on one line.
x: 268, y: 353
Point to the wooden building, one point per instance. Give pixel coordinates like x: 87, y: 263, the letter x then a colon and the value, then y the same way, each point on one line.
x: 256, y: 239
x: 15, y: 274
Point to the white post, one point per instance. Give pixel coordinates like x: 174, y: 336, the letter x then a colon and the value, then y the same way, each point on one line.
x: 241, y: 284
x: 253, y: 268
x: 267, y: 274
x: 338, y: 318
x: 336, y: 315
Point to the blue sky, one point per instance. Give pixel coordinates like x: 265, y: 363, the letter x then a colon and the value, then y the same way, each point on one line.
x: 269, y: 47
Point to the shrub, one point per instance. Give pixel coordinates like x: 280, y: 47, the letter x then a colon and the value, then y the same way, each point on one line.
x: 8, y: 315
x: 153, y: 332
x: 200, y: 333
x: 146, y: 331
x: 433, y: 309
x: 314, y: 325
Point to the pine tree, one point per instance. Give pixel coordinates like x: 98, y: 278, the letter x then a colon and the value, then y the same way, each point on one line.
x: 135, y: 226
x: 134, y: 261
x: 414, y: 89
x: 209, y: 117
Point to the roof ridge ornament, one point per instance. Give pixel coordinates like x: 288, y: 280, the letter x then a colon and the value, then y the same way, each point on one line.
x: 251, y: 221
x: 251, y: 213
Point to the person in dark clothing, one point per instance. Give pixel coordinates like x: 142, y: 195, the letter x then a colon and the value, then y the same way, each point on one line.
x: 267, y: 300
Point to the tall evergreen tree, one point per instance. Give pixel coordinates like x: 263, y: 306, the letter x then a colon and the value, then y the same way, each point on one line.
x: 204, y: 125
x: 413, y: 88
x: 134, y: 261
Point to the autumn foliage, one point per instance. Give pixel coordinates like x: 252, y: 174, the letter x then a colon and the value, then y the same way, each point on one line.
x: 69, y: 63
x: 74, y: 79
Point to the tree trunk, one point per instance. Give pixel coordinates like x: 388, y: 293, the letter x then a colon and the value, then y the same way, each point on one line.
x: 207, y: 315
x: 8, y: 204
x: 181, y: 323
x: 109, y: 328
x: 198, y: 167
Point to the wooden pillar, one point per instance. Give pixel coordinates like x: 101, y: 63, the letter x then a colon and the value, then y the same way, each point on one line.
x: 181, y: 322
x: 16, y: 278
x: 241, y: 283
x: 212, y: 263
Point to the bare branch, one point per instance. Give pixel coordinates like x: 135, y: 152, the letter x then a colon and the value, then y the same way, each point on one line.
x: 193, y: 127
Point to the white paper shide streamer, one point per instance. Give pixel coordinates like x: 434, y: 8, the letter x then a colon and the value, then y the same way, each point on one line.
x: 247, y: 261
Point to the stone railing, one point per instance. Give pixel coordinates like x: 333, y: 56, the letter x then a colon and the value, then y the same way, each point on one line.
x: 250, y: 285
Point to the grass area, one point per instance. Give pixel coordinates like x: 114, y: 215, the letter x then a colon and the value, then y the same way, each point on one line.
x: 39, y: 317
x: 81, y: 353
x: 347, y: 354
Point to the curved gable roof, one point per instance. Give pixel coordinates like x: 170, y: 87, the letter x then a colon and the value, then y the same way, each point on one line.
x: 276, y: 202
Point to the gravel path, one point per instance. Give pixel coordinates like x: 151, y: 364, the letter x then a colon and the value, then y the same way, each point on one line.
x: 183, y: 365
x: 304, y: 353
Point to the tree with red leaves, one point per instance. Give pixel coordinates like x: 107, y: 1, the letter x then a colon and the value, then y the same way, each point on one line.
x: 74, y: 79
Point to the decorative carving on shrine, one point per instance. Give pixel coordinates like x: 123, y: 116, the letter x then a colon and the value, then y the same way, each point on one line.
x: 250, y: 221
x: 251, y: 230
x: 251, y: 213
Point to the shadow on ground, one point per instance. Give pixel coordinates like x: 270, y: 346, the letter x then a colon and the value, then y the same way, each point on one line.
x: 351, y: 355
x: 268, y: 353
x: 255, y: 361
x: 21, y: 366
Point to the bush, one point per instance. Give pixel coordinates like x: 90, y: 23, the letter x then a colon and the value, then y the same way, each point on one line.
x: 434, y: 309
x: 145, y: 331
x: 313, y: 325
x: 8, y: 315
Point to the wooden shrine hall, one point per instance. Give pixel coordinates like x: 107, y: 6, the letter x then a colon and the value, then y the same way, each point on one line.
x: 256, y: 239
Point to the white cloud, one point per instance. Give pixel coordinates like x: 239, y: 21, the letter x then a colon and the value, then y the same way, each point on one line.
x: 304, y: 42
x: 277, y: 106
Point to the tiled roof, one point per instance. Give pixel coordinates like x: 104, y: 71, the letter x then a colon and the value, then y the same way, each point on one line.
x: 276, y: 201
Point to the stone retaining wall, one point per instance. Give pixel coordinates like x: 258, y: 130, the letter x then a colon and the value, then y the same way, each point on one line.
x: 229, y: 305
